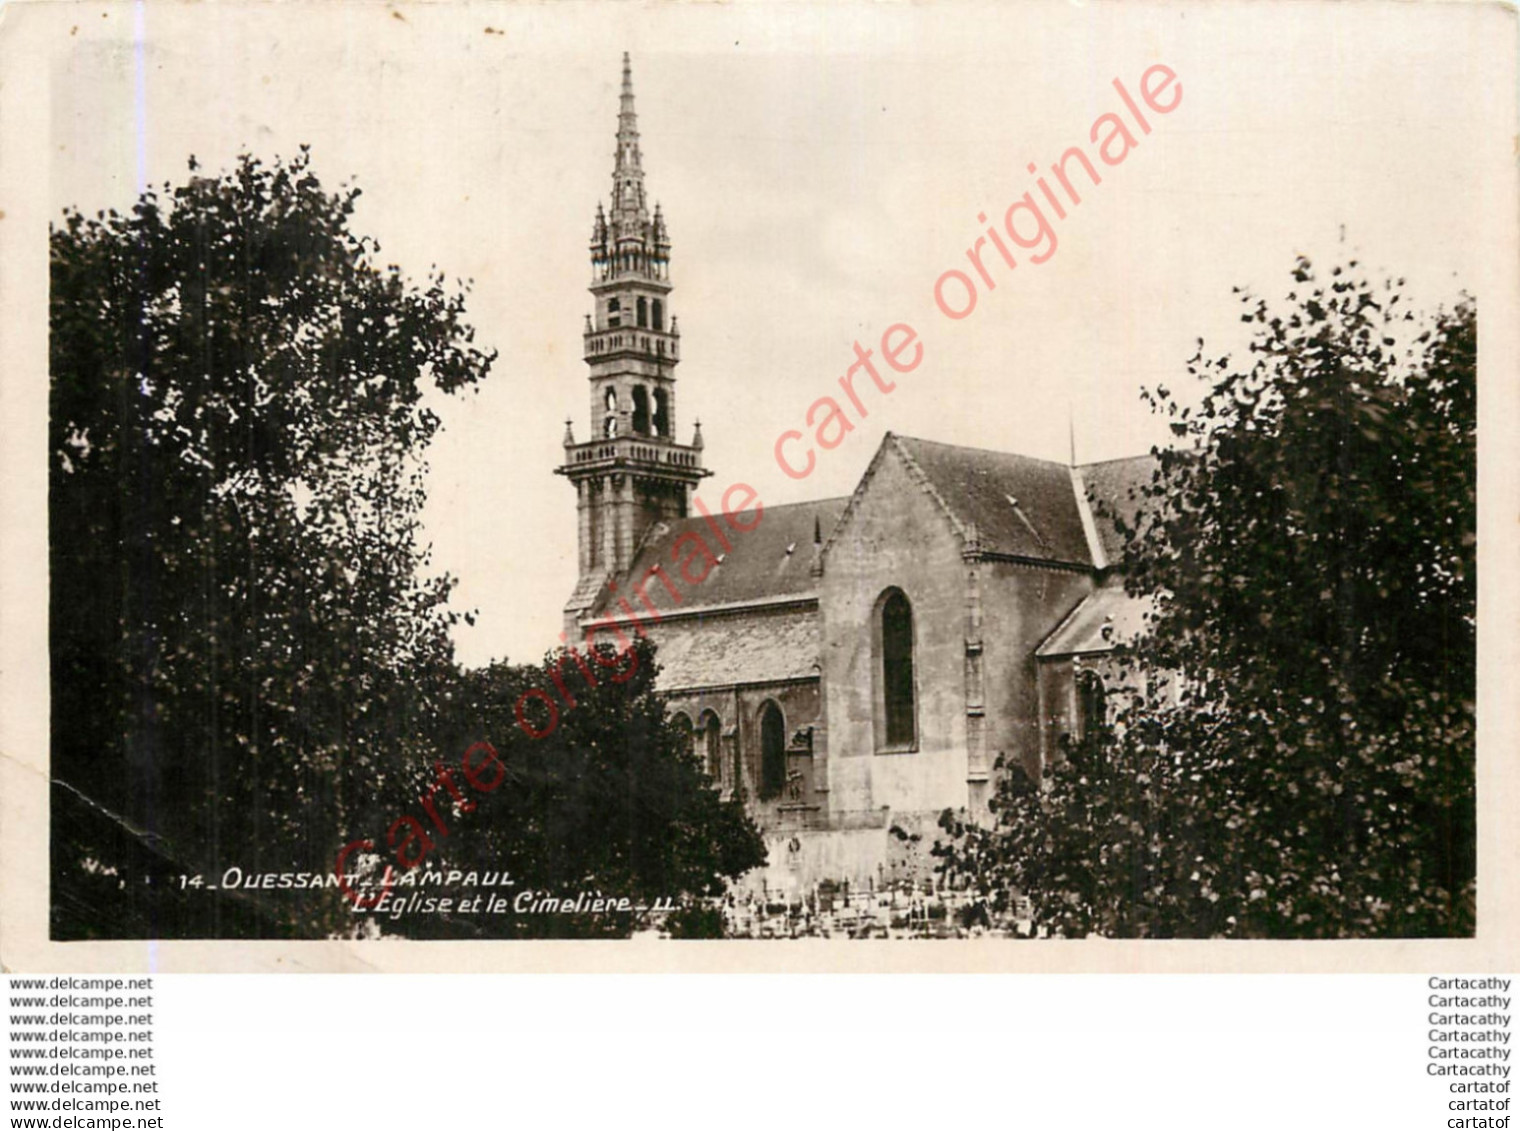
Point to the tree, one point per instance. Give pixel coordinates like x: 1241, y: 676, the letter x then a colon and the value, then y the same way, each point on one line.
x: 243, y: 639
x: 1292, y: 750
x: 610, y: 800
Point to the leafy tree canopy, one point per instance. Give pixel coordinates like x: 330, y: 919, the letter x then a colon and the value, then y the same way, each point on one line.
x: 250, y: 665
x: 611, y: 800
x: 241, y: 629
x: 1291, y: 748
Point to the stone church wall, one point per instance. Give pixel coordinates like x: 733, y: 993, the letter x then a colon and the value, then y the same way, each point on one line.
x: 896, y: 535
x: 799, y: 706
x: 1021, y: 606
x: 1058, y: 706
x: 738, y: 711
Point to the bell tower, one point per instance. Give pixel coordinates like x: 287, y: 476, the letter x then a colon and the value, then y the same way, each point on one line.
x: 630, y: 472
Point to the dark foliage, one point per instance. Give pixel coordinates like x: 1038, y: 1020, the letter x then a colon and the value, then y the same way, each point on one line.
x: 239, y: 630
x: 1291, y: 751
x: 610, y: 801
x: 249, y: 664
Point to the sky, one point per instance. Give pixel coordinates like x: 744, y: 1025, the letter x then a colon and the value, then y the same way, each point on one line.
x: 819, y: 168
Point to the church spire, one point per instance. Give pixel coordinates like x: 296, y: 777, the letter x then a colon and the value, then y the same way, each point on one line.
x: 626, y: 240
x: 627, y: 171
x: 630, y: 471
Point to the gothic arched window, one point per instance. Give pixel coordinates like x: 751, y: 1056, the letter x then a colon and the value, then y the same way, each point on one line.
x: 643, y: 309
x: 1092, y: 704
x: 661, y: 413
x: 712, y: 745
x: 659, y: 314
x: 614, y: 313
x: 898, y: 717
x: 685, y: 736
x: 772, y: 751
x: 640, y: 411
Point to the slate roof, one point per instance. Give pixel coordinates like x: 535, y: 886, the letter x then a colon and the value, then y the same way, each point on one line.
x: 757, y: 567
x: 1021, y: 506
x: 1115, y: 483
x: 1105, y: 617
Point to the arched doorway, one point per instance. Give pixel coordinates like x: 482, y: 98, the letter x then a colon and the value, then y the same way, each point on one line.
x: 772, y: 752
x: 685, y: 735
x: 1092, y: 704
x: 712, y: 746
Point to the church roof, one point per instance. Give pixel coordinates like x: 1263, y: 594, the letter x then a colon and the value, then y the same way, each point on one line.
x: 1030, y: 508
x: 1020, y: 506
x: 1023, y: 507
x: 773, y: 561
x: 1114, y: 487
x: 1105, y: 617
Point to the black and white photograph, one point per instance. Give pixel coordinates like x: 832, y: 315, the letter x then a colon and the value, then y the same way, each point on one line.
x: 993, y: 476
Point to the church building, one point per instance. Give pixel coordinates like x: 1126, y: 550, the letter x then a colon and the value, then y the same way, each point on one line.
x: 851, y: 667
